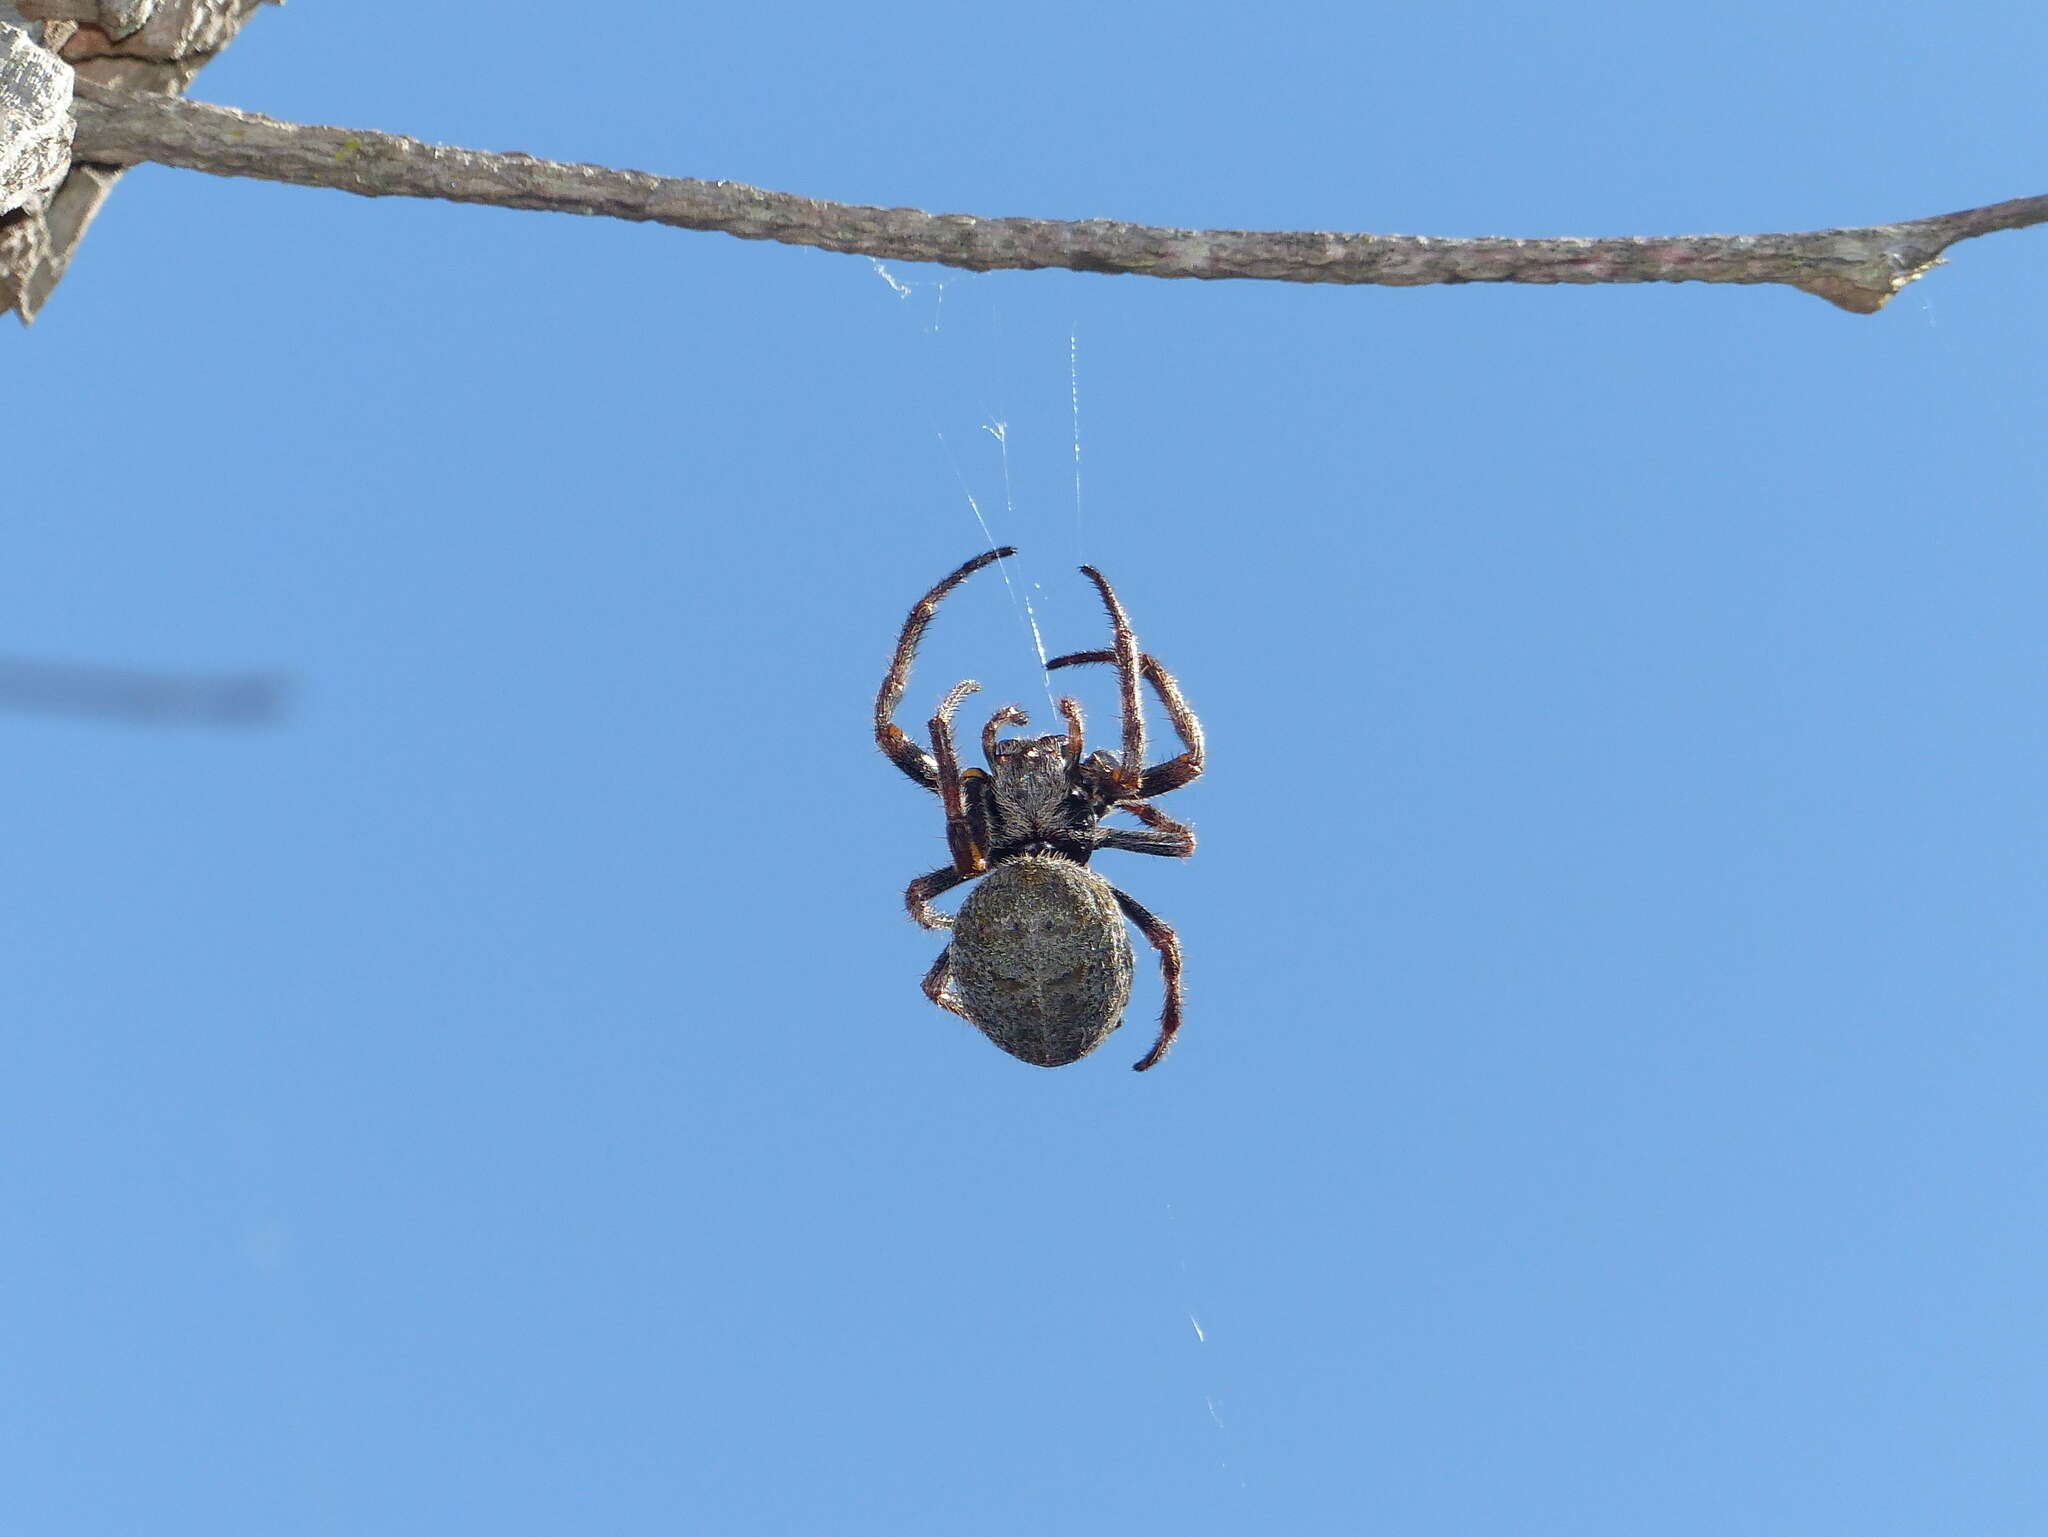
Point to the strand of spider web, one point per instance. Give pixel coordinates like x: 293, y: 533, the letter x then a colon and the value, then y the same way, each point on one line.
x: 1019, y: 601
x: 1210, y: 1390
x: 999, y: 429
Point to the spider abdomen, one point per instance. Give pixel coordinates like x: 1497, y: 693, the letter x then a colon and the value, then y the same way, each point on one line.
x: 1042, y: 960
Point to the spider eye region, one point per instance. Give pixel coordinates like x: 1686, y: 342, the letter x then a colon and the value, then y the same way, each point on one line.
x: 1029, y: 749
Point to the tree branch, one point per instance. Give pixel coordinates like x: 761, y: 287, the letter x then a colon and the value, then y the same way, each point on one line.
x: 1856, y: 269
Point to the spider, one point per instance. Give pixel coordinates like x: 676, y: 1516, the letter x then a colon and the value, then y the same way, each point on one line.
x: 1040, y: 961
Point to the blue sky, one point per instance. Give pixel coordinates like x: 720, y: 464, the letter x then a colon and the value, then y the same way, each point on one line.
x: 498, y: 1096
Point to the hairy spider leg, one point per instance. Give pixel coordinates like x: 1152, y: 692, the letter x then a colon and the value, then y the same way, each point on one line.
x: 963, y: 795
x: 1167, y: 943
x: 937, y: 985
x: 1126, y: 652
x: 917, y: 896
x: 890, y: 737
x: 1161, y: 834
x: 1174, y: 772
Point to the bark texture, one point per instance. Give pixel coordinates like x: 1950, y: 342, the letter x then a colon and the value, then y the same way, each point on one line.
x: 116, y: 18
x: 35, y: 120
x: 141, y: 46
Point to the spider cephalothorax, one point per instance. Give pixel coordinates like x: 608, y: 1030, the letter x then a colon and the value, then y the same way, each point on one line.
x: 1039, y: 960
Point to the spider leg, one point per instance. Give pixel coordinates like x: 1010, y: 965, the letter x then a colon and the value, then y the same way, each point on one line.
x: 1008, y: 715
x: 1132, y: 770
x: 917, y: 896
x: 966, y: 825
x: 1161, y: 834
x: 937, y: 986
x: 890, y: 737
x: 1174, y: 772
x: 1167, y: 943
